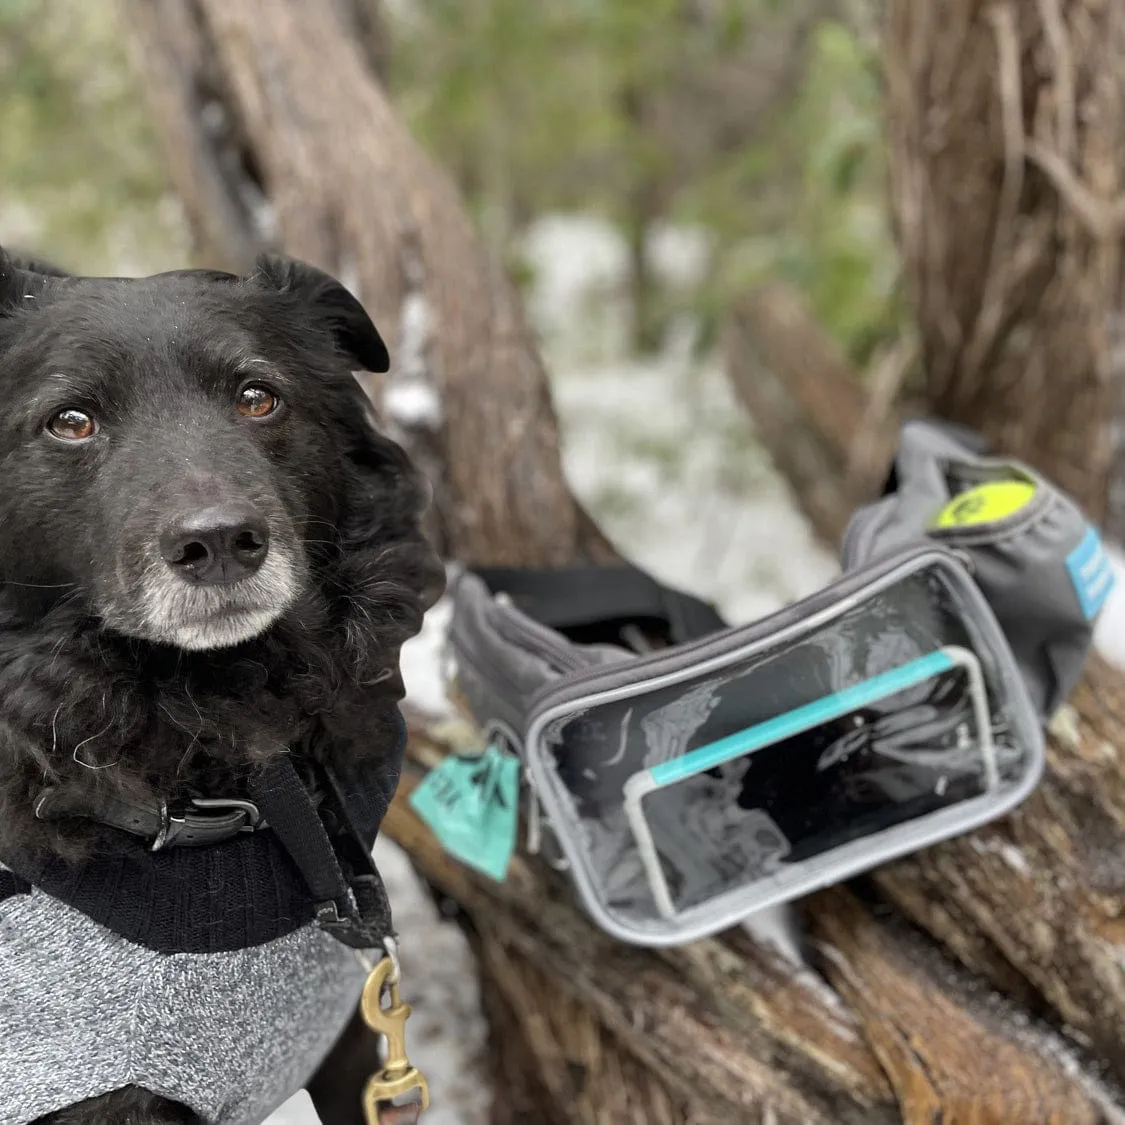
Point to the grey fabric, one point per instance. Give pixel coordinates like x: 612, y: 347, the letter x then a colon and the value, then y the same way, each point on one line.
x: 1042, y: 570
x: 504, y: 657
x: 232, y: 1035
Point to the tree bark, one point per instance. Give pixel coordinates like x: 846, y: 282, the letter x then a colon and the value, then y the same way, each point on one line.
x: 1008, y: 183
x: 277, y: 130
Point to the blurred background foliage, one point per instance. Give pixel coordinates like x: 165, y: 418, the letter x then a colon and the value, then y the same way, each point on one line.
x: 751, y: 124
x: 83, y: 180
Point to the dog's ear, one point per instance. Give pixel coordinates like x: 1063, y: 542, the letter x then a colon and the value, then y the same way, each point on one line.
x: 351, y: 327
x: 18, y: 283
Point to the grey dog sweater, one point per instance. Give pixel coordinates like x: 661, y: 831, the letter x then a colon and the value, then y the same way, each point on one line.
x: 196, y: 973
x: 232, y: 1035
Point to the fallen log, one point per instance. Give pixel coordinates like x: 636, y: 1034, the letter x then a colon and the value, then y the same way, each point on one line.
x: 933, y: 1058
x: 1043, y: 891
x: 739, y: 1035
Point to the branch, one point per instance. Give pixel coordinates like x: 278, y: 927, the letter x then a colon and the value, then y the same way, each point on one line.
x: 829, y: 437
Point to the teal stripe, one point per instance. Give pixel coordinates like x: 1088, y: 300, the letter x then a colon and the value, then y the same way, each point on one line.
x: 822, y: 710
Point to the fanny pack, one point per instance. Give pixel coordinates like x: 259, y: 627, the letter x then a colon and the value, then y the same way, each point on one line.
x: 693, y: 773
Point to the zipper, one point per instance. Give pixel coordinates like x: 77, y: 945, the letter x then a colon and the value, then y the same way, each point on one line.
x: 717, y: 644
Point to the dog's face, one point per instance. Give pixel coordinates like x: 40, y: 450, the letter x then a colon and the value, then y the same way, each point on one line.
x: 169, y: 446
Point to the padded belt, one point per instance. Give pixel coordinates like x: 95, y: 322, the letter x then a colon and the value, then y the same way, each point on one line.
x: 572, y: 597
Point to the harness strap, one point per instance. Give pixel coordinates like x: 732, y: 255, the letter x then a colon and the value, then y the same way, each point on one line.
x: 580, y: 596
x: 11, y: 884
x: 351, y: 906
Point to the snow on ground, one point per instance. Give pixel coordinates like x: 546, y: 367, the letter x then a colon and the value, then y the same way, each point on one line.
x: 422, y: 664
x: 666, y: 460
x: 1110, y: 633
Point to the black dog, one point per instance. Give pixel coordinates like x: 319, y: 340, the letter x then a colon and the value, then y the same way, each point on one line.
x: 208, y: 555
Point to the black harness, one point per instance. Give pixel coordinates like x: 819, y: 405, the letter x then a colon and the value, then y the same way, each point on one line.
x: 219, y: 873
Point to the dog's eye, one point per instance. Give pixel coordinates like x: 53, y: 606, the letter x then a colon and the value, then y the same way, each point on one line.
x: 72, y: 425
x: 256, y: 401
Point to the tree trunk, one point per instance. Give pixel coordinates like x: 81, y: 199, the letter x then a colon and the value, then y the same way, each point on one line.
x: 277, y: 130
x: 1008, y: 174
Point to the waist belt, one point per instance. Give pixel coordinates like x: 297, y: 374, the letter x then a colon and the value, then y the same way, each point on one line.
x: 694, y: 773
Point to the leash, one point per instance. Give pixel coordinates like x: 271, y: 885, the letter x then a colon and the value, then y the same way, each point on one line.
x: 352, y: 906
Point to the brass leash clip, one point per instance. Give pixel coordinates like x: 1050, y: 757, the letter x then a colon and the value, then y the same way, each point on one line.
x: 397, y: 1077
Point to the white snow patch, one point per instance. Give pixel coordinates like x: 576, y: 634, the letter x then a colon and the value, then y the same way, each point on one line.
x: 421, y: 661
x: 573, y: 256
x: 576, y: 301
x: 414, y: 333
x: 774, y: 927
x: 679, y: 255
x: 298, y: 1110
x: 1109, y: 633
x: 579, y: 301
x: 413, y: 404
x: 1105, y: 1094
x: 1015, y: 859
x: 670, y: 466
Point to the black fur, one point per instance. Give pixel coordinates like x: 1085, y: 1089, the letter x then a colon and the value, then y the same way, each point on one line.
x: 123, y: 1107
x: 89, y: 693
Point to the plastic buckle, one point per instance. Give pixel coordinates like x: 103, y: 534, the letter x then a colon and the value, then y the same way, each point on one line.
x: 210, y: 820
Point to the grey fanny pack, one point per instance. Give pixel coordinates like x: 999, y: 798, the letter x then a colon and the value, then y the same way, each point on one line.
x: 693, y: 773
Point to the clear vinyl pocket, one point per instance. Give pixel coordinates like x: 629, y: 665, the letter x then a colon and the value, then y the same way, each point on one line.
x: 901, y: 745
x: 693, y: 787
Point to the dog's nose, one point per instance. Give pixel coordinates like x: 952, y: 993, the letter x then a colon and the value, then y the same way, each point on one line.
x: 216, y: 545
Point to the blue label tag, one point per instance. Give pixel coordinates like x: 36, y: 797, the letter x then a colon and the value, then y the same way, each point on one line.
x: 1091, y: 572
x: 471, y: 804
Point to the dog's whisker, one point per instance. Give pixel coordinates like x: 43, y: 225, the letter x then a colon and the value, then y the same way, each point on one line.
x: 86, y: 742
x: 40, y: 585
